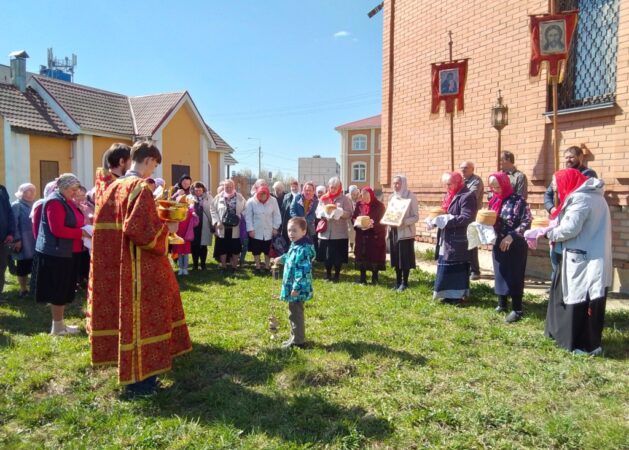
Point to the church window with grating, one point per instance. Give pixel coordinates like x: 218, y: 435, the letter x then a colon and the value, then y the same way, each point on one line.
x: 590, y: 76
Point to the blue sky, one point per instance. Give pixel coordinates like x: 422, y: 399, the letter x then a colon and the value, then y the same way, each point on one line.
x: 286, y: 72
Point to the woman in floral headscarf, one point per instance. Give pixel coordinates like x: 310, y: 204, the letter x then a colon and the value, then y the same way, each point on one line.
x: 370, y: 250
x: 335, y: 209
x: 56, y: 252
x: 304, y: 205
x: 576, y: 309
x: 510, y: 250
x: 452, y: 283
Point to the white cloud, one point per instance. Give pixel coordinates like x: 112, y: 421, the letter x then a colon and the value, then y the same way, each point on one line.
x: 342, y: 34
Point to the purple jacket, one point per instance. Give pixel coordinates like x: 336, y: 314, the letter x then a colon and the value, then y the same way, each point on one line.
x: 463, y: 208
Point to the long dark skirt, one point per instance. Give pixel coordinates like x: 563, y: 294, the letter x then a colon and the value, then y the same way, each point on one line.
x: 227, y: 246
x: 402, y: 252
x: 55, y: 278
x: 332, y: 252
x: 509, y: 268
x: 452, y: 280
x: 578, y: 326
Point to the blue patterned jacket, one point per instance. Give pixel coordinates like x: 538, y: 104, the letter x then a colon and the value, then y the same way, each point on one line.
x: 298, y: 270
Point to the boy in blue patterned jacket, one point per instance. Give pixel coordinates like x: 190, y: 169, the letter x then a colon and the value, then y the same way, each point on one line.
x: 297, y: 280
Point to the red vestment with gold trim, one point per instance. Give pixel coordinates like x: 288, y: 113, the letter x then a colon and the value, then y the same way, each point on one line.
x: 135, y: 315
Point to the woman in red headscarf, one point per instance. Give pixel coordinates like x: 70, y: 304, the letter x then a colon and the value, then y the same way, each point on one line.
x: 576, y: 309
x: 452, y: 283
x: 510, y: 250
x: 370, y: 249
x: 263, y: 219
x: 335, y: 210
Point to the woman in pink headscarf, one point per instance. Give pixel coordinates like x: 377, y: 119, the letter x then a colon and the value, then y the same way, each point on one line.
x: 510, y: 250
x: 263, y: 219
x: 452, y: 282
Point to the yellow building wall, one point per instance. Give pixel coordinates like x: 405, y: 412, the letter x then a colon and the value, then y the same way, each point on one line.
x: 44, y: 148
x: 2, y: 176
x: 213, y: 172
x: 181, y: 145
x: 100, y: 145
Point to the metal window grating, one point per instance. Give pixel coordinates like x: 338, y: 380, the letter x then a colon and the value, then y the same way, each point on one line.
x: 590, y: 77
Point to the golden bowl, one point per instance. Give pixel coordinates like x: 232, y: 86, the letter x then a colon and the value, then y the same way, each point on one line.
x: 173, y: 213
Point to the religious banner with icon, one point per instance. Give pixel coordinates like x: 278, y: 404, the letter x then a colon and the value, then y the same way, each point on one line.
x: 551, y: 35
x: 396, y: 210
x: 448, y: 85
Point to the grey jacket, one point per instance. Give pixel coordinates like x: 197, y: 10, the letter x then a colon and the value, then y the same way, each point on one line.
x: 219, y: 210
x: 586, y: 235
x: 337, y: 229
x: 23, y: 229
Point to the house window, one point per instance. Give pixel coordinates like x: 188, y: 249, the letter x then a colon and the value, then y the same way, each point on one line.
x: 48, y: 171
x: 359, y: 142
x: 590, y: 76
x: 359, y: 172
x: 178, y: 171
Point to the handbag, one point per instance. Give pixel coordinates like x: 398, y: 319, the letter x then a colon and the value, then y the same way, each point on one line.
x: 230, y: 218
x: 322, y: 226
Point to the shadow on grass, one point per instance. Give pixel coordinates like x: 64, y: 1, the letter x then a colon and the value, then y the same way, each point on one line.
x: 358, y: 349
x: 217, y: 385
x: 23, y: 316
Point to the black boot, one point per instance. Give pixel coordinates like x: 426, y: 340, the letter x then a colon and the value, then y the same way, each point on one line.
x: 374, y: 277
x: 363, y: 277
x: 502, y: 303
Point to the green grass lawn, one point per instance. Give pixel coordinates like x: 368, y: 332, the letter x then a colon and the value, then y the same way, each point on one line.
x: 384, y: 370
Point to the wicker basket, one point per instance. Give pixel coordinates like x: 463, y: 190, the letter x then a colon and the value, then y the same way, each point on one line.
x: 486, y: 217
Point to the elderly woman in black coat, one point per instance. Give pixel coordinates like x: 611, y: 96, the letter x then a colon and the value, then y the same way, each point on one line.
x: 453, y: 271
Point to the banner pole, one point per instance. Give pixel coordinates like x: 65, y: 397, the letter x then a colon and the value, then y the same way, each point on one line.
x: 452, y: 113
x: 554, y: 80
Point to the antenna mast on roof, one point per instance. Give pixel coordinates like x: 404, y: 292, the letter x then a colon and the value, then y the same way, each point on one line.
x: 61, y: 69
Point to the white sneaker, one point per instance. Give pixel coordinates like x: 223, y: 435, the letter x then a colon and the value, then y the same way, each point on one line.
x: 72, y: 329
x: 180, y: 272
x: 185, y: 272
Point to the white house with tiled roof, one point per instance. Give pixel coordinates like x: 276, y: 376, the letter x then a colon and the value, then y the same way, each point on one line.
x: 53, y: 126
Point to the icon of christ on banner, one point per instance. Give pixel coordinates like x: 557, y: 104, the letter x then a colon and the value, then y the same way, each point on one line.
x: 552, y: 37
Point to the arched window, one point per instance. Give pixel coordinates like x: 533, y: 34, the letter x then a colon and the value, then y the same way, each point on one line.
x: 359, y: 172
x: 359, y: 142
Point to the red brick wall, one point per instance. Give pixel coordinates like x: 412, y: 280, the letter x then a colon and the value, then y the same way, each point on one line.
x: 495, y: 36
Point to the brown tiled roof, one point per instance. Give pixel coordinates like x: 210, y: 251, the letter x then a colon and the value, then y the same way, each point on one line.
x: 28, y: 111
x: 230, y: 160
x: 91, y: 108
x: 150, y: 110
x: 219, y: 141
x: 369, y: 122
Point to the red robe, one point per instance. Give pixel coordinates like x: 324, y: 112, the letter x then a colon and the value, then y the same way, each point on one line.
x: 135, y: 317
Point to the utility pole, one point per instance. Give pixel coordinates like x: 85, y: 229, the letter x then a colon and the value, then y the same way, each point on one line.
x: 259, y: 155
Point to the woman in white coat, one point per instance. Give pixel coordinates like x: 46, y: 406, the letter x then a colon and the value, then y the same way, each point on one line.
x: 228, y: 207
x: 263, y: 219
x: 203, y: 204
x: 576, y: 309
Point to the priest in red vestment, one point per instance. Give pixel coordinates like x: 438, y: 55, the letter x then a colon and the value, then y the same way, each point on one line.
x: 135, y: 316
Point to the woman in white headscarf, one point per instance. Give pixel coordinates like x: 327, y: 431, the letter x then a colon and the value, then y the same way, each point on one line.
x: 402, y: 238
x: 24, y: 241
x: 353, y: 193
